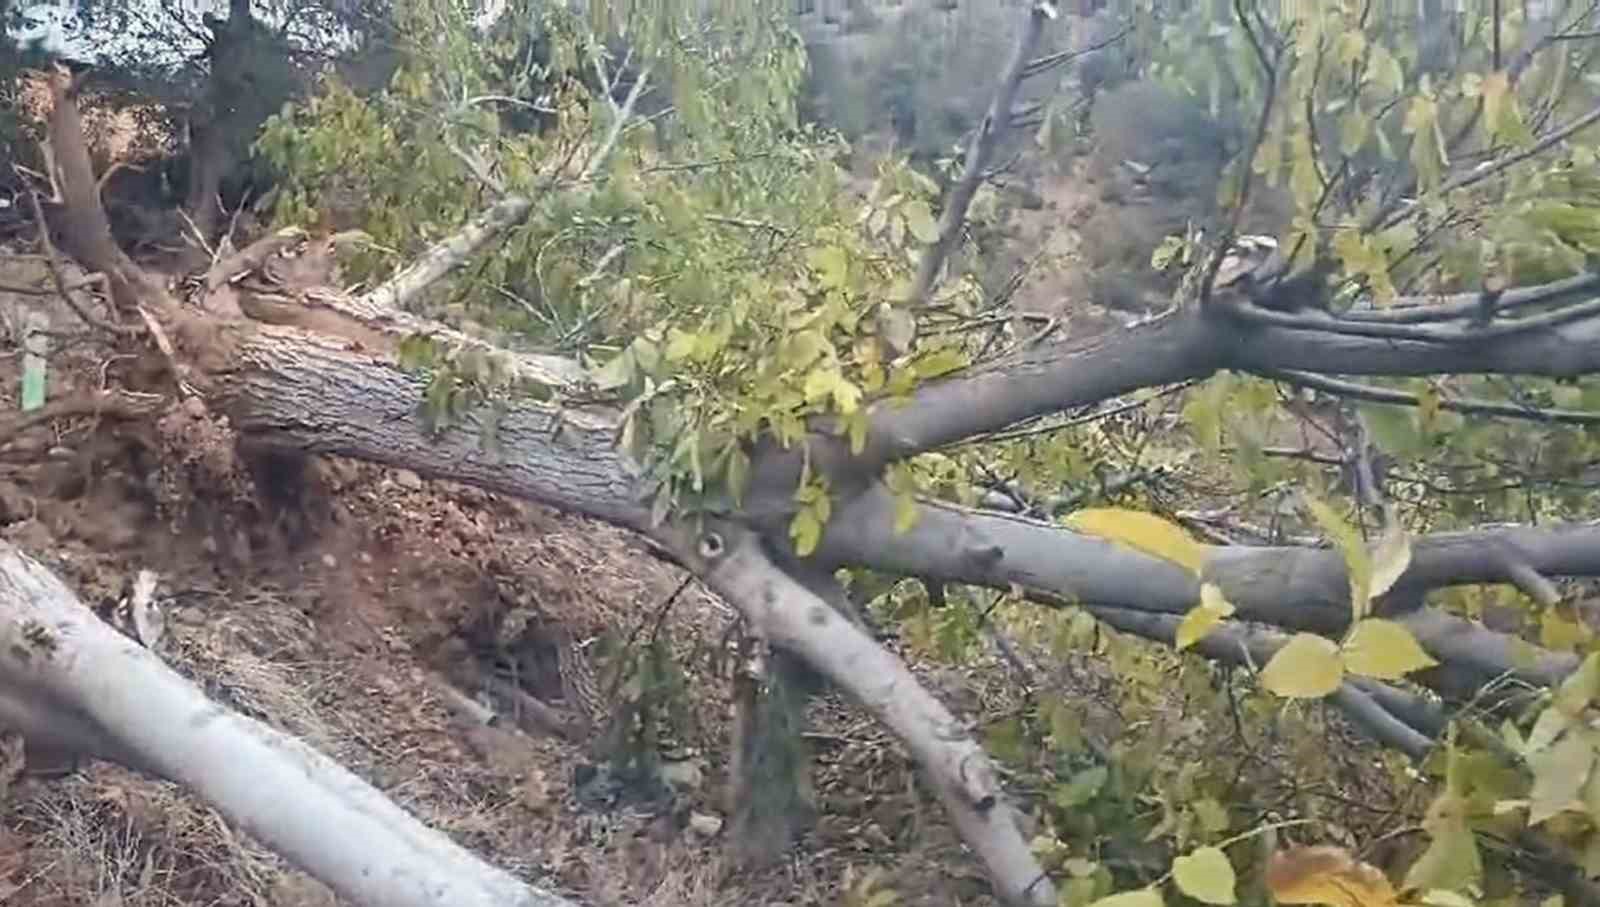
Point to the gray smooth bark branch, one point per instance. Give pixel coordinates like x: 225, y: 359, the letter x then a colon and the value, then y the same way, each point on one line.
x: 991, y: 132
x: 69, y: 681
x: 731, y: 561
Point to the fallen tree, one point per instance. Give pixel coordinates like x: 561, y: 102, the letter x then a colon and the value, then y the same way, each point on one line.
x: 326, y: 374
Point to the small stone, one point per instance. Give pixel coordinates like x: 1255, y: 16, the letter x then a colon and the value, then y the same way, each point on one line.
x: 705, y: 826
x: 364, y: 558
x: 330, y: 561
x: 682, y: 776
x: 405, y: 478
x: 194, y: 407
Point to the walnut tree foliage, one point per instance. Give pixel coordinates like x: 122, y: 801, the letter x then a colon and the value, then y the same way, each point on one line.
x: 726, y: 290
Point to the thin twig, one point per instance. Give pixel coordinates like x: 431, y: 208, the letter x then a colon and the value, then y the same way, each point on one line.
x: 53, y: 262
x: 1455, y: 404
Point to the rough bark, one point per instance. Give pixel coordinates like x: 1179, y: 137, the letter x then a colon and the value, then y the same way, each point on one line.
x: 70, y: 682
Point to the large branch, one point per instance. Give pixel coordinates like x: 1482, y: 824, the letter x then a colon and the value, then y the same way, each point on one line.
x: 1411, y: 726
x: 1185, y: 344
x: 1299, y: 589
x: 286, y: 388
x: 457, y: 249
x: 68, y: 681
x: 731, y: 561
x: 1174, y: 347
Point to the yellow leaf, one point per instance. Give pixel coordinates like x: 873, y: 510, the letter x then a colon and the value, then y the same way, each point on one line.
x: 1202, y: 618
x: 1384, y: 649
x: 1144, y: 897
x: 1205, y: 875
x: 1354, y: 128
x: 846, y: 396
x: 1327, y: 875
x: 1144, y: 531
x: 1559, y: 632
x: 1494, y: 89
x: 820, y: 383
x: 1390, y: 560
x: 1580, y: 688
x: 919, y: 220
x: 1348, y: 541
x: 1387, y: 75
x: 1307, y: 667
x: 680, y: 344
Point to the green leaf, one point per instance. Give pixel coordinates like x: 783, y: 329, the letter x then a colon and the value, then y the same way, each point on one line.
x: 1166, y: 252
x: 1205, y: 875
x: 832, y: 265
x: 1383, y: 649
x: 1081, y: 788
x: 1559, y: 775
x: 1143, y: 531
x: 939, y: 362
x: 616, y: 373
x: 905, y: 512
x: 680, y: 345
x: 805, y: 530
x: 1387, y: 76
x: 1307, y: 667
x: 919, y: 220
x: 738, y: 473
x: 1452, y: 860
x: 1355, y: 127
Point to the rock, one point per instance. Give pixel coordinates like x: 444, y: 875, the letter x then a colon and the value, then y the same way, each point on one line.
x: 405, y: 478
x: 704, y: 826
x: 330, y: 561
x: 682, y: 776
